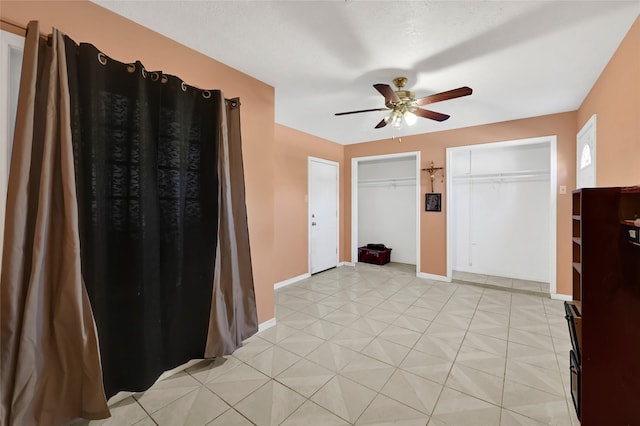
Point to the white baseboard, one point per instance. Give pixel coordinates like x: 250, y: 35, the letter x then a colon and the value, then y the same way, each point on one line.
x: 267, y: 324
x: 346, y: 264
x: 559, y: 296
x: 433, y: 277
x: 290, y: 281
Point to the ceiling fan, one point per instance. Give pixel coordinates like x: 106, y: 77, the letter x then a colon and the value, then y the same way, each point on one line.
x: 405, y: 107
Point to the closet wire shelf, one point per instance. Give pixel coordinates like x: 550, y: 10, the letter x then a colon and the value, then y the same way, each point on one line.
x: 524, y: 175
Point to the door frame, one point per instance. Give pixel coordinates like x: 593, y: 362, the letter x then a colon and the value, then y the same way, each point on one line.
x: 552, y: 140
x: 9, y: 43
x: 589, y: 127
x: 333, y: 163
x: 354, y: 200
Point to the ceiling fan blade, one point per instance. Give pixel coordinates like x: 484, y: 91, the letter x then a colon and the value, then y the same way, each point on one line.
x: 431, y: 114
x: 443, y: 96
x: 388, y: 93
x: 362, y: 110
x: 382, y: 123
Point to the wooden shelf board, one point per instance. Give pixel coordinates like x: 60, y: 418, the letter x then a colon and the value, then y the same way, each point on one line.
x: 577, y: 266
x: 629, y: 222
x: 630, y: 190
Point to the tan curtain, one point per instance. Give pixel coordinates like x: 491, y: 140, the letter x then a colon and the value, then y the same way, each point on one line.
x: 233, y: 306
x: 50, y: 361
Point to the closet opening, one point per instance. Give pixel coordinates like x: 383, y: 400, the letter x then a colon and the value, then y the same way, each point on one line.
x: 385, y: 201
x: 501, y: 214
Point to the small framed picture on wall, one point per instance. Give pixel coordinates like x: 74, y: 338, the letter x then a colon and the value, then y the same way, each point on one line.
x: 433, y: 202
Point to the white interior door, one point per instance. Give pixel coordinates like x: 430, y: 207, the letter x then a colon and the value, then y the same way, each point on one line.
x: 323, y: 215
x: 11, y: 47
x: 586, y: 155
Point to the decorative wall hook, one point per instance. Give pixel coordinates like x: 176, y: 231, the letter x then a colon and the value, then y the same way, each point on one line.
x: 432, y: 170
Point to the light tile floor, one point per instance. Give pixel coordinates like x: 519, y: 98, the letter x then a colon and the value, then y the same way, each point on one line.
x: 374, y: 345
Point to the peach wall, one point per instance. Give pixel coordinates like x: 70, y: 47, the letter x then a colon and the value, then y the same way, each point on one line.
x: 615, y: 98
x: 127, y: 41
x: 432, y: 146
x: 276, y: 156
x: 291, y: 230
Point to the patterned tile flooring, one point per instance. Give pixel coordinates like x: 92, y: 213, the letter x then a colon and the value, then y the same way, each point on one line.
x: 374, y: 345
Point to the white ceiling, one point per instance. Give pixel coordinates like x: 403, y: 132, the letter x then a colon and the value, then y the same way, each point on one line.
x: 522, y: 58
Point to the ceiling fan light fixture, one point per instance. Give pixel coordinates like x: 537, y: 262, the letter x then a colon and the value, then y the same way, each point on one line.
x: 405, y: 108
x: 410, y: 118
x: 394, y: 118
x: 391, y: 118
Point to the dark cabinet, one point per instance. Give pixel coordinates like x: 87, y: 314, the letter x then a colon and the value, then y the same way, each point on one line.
x: 604, y: 317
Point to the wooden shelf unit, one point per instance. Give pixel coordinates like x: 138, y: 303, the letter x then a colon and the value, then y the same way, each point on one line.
x: 606, y: 295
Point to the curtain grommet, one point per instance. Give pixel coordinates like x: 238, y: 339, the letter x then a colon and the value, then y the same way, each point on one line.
x: 143, y: 72
x: 184, y: 86
x: 206, y: 94
x: 155, y: 76
x: 131, y: 68
x: 102, y: 58
x: 164, y: 78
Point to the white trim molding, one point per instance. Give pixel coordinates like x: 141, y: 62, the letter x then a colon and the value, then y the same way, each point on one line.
x: 589, y: 131
x: 433, y: 277
x: 291, y: 281
x: 351, y: 264
x: 11, y: 48
x: 267, y: 324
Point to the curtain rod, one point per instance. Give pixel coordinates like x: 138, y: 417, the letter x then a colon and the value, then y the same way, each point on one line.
x: 20, y: 27
x: 13, y: 24
x: 234, y: 102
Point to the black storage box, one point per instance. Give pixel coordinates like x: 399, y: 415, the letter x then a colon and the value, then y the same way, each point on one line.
x: 377, y: 257
x: 574, y: 321
x: 576, y: 379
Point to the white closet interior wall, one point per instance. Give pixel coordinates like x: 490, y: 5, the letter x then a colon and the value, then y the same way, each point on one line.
x: 500, y: 209
x: 387, y: 206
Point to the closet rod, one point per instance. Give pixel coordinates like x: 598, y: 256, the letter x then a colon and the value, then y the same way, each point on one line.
x: 523, y: 173
x: 389, y: 180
